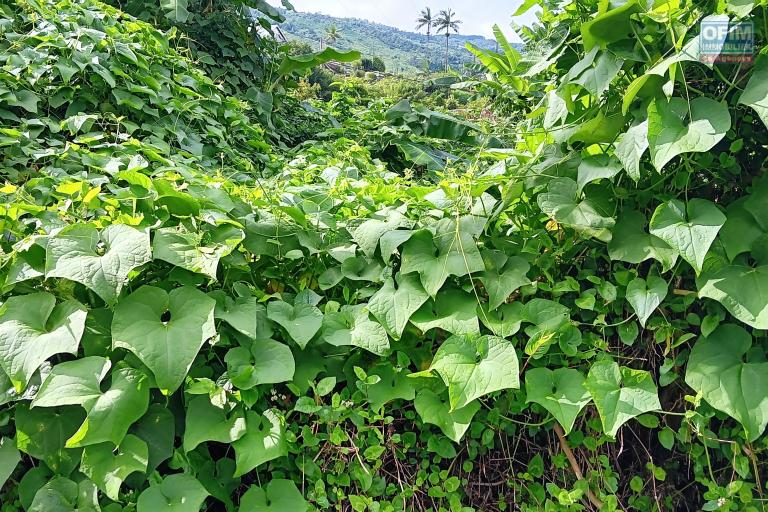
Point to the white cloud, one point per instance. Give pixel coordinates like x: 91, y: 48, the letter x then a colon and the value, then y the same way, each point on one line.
x: 478, y: 15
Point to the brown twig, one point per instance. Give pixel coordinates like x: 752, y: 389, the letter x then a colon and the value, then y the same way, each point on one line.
x: 594, y: 500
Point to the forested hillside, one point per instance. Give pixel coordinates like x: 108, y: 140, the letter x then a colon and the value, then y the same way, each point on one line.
x: 401, y: 51
x: 228, y: 286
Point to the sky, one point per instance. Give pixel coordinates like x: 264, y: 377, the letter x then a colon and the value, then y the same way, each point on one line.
x: 478, y: 15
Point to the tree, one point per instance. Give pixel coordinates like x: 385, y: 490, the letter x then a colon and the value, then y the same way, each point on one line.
x: 446, y: 22
x: 332, y: 34
x: 425, y: 19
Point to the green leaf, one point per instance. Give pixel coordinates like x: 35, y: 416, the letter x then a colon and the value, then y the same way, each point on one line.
x: 596, y: 167
x: 108, y: 468
x: 453, y: 310
x: 646, y: 296
x: 42, y: 433
x: 419, y: 154
x: 9, y: 459
x: 717, y: 371
x: 110, y: 415
x: 264, y: 440
x: 632, y: 244
x: 300, y: 63
x: 561, y: 392
x: 392, y: 385
x: 674, y: 129
x: 32, y: 329
x: 689, y: 229
x: 176, y: 10
x: 73, y: 383
x: 620, y: 393
x: 755, y: 94
x: 433, y: 408
x: 176, y: 493
x: 25, y: 99
x: 63, y: 495
x: 741, y: 229
x: 241, y: 313
x: 561, y: 202
x: 503, y: 321
x: 353, y: 326
x: 164, y: 330
x: 741, y: 289
x: 279, y: 495
x: 630, y: 148
x: 206, y: 422
x: 610, y: 25
x: 452, y: 251
x: 502, y: 276
x: 195, y: 252
x: 101, y: 261
x: 393, y: 307
x: 475, y: 366
x: 302, y: 321
x: 368, y: 234
x: 158, y: 429
x: 267, y: 362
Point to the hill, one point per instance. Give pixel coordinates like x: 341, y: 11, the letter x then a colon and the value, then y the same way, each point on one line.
x: 401, y: 51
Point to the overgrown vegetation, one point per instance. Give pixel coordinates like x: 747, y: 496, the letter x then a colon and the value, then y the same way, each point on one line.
x: 542, y: 288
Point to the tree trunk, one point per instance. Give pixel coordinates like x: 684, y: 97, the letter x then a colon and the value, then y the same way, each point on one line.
x: 429, y: 54
x: 446, y: 51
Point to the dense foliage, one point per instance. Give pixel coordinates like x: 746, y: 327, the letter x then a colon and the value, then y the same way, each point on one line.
x: 564, y: 309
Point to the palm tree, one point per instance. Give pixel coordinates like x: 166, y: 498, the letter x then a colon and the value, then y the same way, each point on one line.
x: 332, y: 34
x: 445, y: 22
x: 425, y: 19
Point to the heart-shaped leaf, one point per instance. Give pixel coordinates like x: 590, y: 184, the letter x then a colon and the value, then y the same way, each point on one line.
x: 475, y: 366
x: 561, y: 392
x: 242, y: 313
x: 595, y: 168
x: 645, y: 296
x: 302, y: 321
x: 563, y: 204
x: 434, y: 409
x: 32, y: 329
x: 452, y: 251
x: 263, y: 441
x: 620, y: 393
x: 206, y: 422
x: 99, y: 260
x: 73, y: 383
x: 110, y: 415
x: 176, y: 493
x: 267, y: 362
x: 631, y: 243
x: 196, y: 252
x: 279, y: 495
x: 681, y: 127
x: 741, y: 289
x: 164, y: 330
x: 108, y: 468
x: 689, y: 229
x: 502, y: 276
x: 393, y: 307
x: 453, y: 310
x: 716, y: 370
x: 353, y: 326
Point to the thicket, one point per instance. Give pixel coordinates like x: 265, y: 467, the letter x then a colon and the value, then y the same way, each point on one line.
x: 406, y: 311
